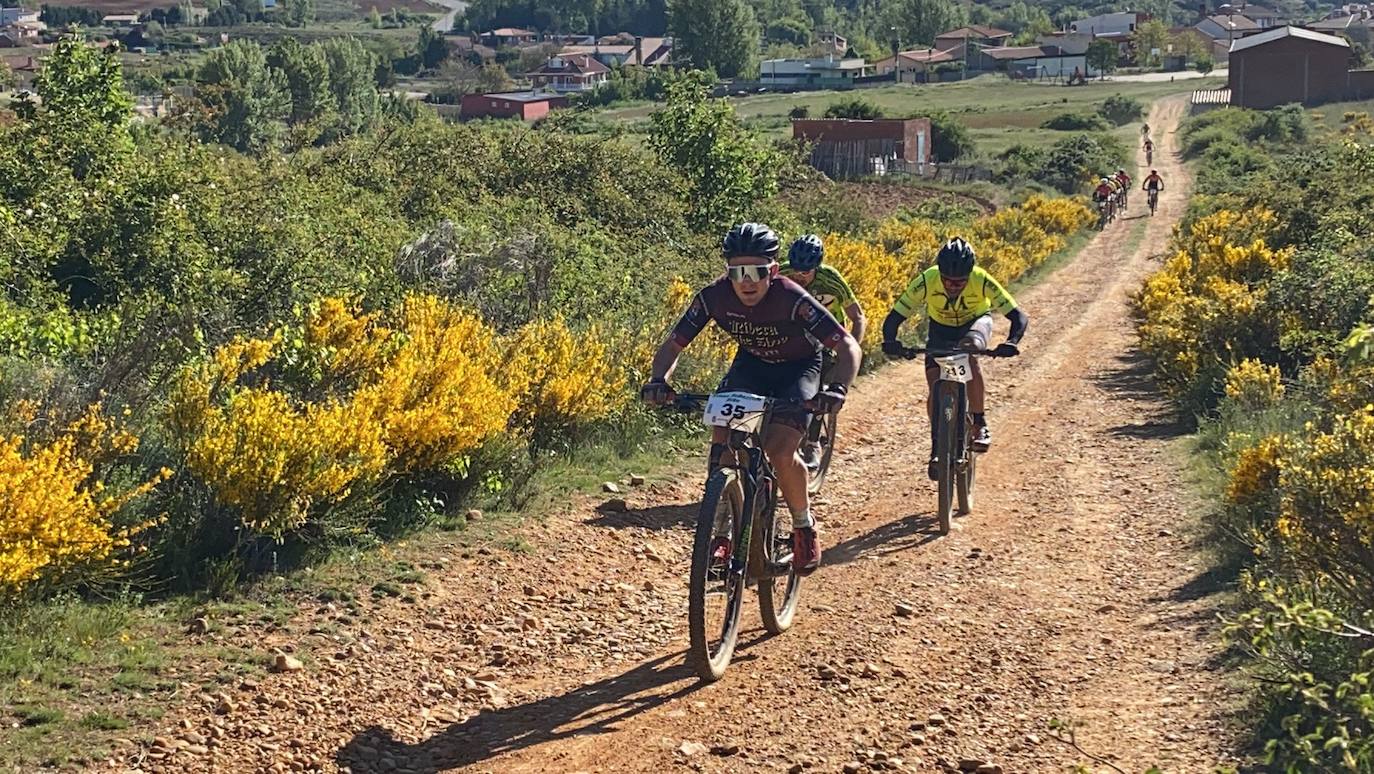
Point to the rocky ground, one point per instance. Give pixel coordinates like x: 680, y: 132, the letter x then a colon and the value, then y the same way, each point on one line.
x: 1070, y: 597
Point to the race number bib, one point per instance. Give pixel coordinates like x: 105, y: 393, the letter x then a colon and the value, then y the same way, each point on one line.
x: 955, y: 368
x: 735, y: 410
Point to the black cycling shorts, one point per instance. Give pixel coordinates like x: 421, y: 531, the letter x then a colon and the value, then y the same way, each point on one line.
x: 793, y: 379
x: 974, y: 335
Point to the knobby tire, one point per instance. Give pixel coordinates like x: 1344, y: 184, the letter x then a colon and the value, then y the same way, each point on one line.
x: 711, y: 665
x: 948, y: 451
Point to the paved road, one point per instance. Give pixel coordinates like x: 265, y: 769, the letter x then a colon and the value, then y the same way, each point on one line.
x: 445, y: 22
x: 1161, y: 77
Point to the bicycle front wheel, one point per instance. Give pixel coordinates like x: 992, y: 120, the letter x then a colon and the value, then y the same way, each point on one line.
x: 947, y: 447
x: 716, y: 590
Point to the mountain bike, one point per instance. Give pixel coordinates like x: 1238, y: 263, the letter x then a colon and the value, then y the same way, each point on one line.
x: 741, y: 538
x: 1153, y: 198
x: 1104, y: 213
x: 822, y: 432
x: 957, y: 468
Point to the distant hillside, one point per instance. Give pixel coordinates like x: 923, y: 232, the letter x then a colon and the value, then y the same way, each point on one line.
x: 324, y: 8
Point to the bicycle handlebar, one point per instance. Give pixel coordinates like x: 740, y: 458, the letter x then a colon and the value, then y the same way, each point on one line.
x: 696, y: 401
x: 911, y: 353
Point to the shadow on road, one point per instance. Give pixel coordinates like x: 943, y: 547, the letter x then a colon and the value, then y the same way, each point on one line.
x: 664, y: 517
x: 1132, y: 379
x: 590, y: 709
x: 903, y: 535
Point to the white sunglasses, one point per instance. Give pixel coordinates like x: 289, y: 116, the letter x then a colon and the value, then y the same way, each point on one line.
x: 750, y: 273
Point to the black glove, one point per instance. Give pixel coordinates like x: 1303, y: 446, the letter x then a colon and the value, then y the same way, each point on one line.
x: 831, y: 398
x: 894, y: 349
x: 1006, y: 349
x: 656, y: 392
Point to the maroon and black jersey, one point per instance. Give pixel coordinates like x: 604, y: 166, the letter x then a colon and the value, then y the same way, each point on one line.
x: 788, y: 324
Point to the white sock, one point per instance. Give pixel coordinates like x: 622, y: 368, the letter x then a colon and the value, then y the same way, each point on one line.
x: 802, y: 519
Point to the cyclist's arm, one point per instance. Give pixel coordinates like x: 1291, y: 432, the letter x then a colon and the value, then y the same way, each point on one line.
x: 823, y: 328
x: 665, y: 359
x: 692, y: 322
x: 1019, y: 322
x: 858, y: 324
x: 911, y: 299
x: 892, y: 325
x: 1003, y: 302
x: 848, y: 355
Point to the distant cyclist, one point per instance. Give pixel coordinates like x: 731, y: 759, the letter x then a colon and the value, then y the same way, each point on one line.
x: 1152, y: 186
x: 1104, y: 195
x: 1149, y: 151
x: 1125, y: 181
x: 805, y: 266
x: 959, y: 298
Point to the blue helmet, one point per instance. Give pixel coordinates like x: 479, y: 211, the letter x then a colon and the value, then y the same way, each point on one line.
x: 806, y: 253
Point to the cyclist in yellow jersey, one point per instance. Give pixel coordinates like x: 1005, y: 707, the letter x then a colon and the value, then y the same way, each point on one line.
x: 959, y: 298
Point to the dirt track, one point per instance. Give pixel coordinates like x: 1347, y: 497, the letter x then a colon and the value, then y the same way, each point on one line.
x: 1069, y: 594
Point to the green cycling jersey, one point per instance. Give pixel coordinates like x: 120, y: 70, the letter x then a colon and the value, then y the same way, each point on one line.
x: 828, y: 287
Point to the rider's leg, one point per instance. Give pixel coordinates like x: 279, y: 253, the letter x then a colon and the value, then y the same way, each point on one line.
x: 781, y: 448
x: 978, y: 337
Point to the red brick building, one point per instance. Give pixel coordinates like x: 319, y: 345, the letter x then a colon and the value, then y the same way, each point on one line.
x: 1290, y: 64
x: 848, y: 148
x: 525, y: 105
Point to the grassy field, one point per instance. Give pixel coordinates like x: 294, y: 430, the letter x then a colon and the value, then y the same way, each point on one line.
x: 1332, y: 116
x: 999, y: 112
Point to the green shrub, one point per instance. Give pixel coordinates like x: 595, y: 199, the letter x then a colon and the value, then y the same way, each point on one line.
x: 854, y: 108
x: 1073, y: 162
x: 1068, y: 122
x: 1121, y: 110
x: 950, y: 139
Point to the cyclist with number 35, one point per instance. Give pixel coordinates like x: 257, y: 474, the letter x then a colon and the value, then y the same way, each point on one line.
x: 959, y: 298
x: 781, y: 331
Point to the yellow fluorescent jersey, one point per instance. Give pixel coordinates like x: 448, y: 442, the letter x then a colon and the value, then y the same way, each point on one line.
x: 981, y: 295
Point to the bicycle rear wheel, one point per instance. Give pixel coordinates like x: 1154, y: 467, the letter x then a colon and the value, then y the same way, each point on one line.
x: 827, y: 442
x: 715, y: 593
x: 771, y: 549
x: 948, y: 450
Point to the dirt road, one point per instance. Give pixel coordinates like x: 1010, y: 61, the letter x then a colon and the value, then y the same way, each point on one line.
x: 1070, y: 595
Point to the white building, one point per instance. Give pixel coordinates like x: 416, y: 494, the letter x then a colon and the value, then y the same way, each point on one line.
x: 827, y: 72
x: 1108, y: 24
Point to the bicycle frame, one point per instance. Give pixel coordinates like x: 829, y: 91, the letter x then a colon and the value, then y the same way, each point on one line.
x: 755, y: 470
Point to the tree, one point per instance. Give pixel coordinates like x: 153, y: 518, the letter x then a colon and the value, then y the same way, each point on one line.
x: 718, y: 35
x: 298, y: 13
x: 246, y: 101
x: 83, y: 110
x: 1149, y: 36
x: 1102, y: 55
x: 431, y: 48
x: 792, y: 29
x: 374, y: 19
x: 307, y: 79
x: 352, y: 70
x: 725, y: 168
x: 7, y: 77
x: 919, y: 21
x: 1203, y: 63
